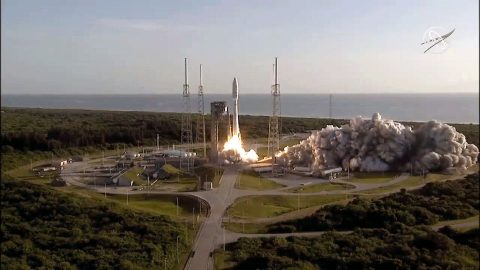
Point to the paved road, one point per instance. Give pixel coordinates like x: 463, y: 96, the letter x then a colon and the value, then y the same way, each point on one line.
x: 211, y: 235
x: 233, y: 237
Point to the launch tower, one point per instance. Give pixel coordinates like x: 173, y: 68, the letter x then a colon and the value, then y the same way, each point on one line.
x: 186, y: 160
x: 218, y: 112
x: 273, y: 125
x: 200, y: 134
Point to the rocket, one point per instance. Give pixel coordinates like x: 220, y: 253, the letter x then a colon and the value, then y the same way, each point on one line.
x: 236, y: 128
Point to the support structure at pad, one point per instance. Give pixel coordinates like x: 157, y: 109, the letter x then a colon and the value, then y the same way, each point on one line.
x: 274, y: 121
x: 186, y: 158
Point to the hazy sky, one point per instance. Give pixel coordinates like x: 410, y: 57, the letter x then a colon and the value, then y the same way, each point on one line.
x: 113, y: 46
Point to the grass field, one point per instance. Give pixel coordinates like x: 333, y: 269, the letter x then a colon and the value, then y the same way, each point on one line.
x: 256, y: 182
x: 320, y: 187
x: 411, y: 181
x: 183, y: 186
x: 157, y: 204
x: 133, y: 174
x: 24, y: 173
x: 373, y: 177
x: 160, y: 204
x: 472, y: 222
x: 246, y: 227
x: 250, y: 207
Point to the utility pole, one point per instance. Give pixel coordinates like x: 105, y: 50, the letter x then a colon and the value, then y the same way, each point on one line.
x: 148, y: 184
x: 200, y: 206
x: 330, y: 98
x: 223, y: 238
x: 193, y: 218
x: 177, y: 249
x: 243, y: 217
x: 131, y: 184
x: 177, y: 206
x: 298, y: 199
x: 346, y: 196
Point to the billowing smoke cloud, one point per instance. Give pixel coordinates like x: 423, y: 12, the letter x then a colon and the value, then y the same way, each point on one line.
x: 382, y: 145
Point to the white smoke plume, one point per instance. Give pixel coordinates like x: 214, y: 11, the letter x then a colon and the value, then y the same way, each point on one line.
x: 382, y: 145
x: 233, y: 151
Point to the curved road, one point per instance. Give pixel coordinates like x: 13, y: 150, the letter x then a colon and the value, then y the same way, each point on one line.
x: 211, y: 235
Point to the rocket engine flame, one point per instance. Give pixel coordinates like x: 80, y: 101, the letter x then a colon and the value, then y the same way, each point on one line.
x: 233, y: 151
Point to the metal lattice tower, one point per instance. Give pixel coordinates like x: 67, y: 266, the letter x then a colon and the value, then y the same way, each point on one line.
x: 330, y: 106
x: 273, y: 125
x: 218, y: 112
x: 186, y: 162
x: 200, y: 134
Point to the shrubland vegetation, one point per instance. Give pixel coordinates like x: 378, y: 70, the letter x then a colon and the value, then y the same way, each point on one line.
x: 44, y: 229
x: 32, y: 134
x: 399, y: 247
x: 50, y: 129
x: 425, y: 206
x: 69, y: 132
x: 386, y: 233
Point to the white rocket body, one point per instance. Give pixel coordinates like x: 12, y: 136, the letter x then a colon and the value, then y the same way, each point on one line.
x: 236, y: 128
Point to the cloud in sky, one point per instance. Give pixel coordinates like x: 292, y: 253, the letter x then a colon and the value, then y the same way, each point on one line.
x: 142, y: 25
x: 108, y: 46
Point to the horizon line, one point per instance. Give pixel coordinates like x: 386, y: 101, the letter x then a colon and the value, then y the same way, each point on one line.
x: 259, y: 94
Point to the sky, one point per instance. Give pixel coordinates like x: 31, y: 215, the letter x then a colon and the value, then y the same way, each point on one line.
x: 138, y: 47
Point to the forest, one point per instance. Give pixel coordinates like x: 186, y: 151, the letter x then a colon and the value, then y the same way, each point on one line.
x: 428, y: 205
x: 387, y: 233
x: 34, y: 134
x: 44, y: 229
x: 399, y: 247
x: 52, y: 129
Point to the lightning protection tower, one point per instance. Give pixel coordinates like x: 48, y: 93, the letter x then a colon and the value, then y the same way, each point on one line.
x: 186, y: 161
x: 273, y: 130
x: 330, y: 103
x: 200, y: 134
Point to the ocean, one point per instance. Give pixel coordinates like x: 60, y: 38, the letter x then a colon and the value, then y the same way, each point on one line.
x: 450, y: 108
